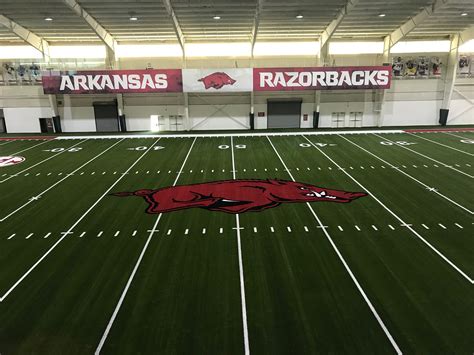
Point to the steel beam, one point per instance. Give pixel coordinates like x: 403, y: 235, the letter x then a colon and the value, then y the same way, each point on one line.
x: 99, y: 30
x: 176, y: 25
x: 332, y: 27
x: 398, y: 34
x: 256, y: 23
x: 29, y: 37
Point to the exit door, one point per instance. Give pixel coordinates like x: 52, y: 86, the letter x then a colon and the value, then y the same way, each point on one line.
x: 355, y: 119
x: 46, y: 125
x: 3, y: 126
x: 338, y: 119
x: 176, y: 123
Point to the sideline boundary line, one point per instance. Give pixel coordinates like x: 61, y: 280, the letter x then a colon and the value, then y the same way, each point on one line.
x: 42, y: 161
x: 241, y: 265
x: 5, y: 143
x: 59, y: 181
x: 137, y: 264
x: 449, y: 262
x: 408, y: 175
x: 255, y: 134
x: 425, y: 156
x: 455, y: 135
x: 441, y: 144
x: 346, y: 266
x: 10, y: 290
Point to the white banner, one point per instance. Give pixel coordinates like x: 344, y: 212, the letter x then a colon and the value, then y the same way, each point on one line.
x: 218, y: 80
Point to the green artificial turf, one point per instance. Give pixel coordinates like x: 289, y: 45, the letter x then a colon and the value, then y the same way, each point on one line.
x: 391, y: 270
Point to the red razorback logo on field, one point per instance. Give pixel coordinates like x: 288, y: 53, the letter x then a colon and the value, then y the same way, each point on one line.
x: 238, y: 196
x: 217, y: 80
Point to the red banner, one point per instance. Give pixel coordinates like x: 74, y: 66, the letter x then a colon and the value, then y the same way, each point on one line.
x: 323, y: 78
x: 112, y: 81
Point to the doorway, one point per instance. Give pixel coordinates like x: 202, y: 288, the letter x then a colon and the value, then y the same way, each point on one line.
x: 106, y: 116
x: 284, y: 113
x: 46, y: 125
x: 3, y: 126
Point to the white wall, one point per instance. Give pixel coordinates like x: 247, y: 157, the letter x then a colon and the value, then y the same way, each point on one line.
x: 25, y: 119
x: 461, y: 110
x: 411, y: 113
x: 77, y: 119
x: 138, y: 117
x: 222, y: 116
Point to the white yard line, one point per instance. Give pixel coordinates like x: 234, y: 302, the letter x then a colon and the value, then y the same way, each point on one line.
x: 135, y: 269
x: 426, y: 157
x: 241, y: 265
x: 449, y: 262
x: 41, y: 162
x: 5, y: 295
x: 34, y: 146
x: 441, y: 144
x: 411, y: 177
x: 58, y: 182
x: 344, y: 263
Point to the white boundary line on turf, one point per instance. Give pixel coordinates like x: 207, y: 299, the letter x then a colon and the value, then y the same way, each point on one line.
x: 6, y: 143
x: 441, y: 144
x: 408, y: 175
x: 253, y: 134
x: 135, y: 269
x: 425, y: 156
x: 346, y: 266
x: 41, y: 162
x: 462, y: 273
x: 24, y: 150
x: 60, y: 181
x: 455, y: 135
x: 73, y: 226
x: 241, y: 265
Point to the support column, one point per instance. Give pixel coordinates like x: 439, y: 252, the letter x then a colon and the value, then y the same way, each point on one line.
x: 53, y: 104
x: 378, y: 95
x: 449, y: 79
x: 451, y: 71
x: 187, y: 120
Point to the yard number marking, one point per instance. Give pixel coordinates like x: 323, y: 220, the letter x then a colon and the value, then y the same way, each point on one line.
x: 397, y: 142
x: 138, y: 149
x: 58, y: 150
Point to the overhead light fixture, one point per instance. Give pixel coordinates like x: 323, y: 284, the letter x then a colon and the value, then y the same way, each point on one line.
x: 48, y: 18
x: 382, y: 15
x: 464, y: 14
x: 133, y: 18
x: 216, y: 17
x: 299, y: 16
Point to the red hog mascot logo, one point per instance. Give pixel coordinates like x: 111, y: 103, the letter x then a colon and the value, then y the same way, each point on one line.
x: 217, y: 80
x: 238, y: 196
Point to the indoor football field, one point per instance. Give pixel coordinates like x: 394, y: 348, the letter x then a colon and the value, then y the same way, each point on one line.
x: 271, y: 243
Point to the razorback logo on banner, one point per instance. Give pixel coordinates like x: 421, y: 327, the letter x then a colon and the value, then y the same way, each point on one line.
x: 217, y: 80
x: 112, y: 81
x: 324, y: 78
